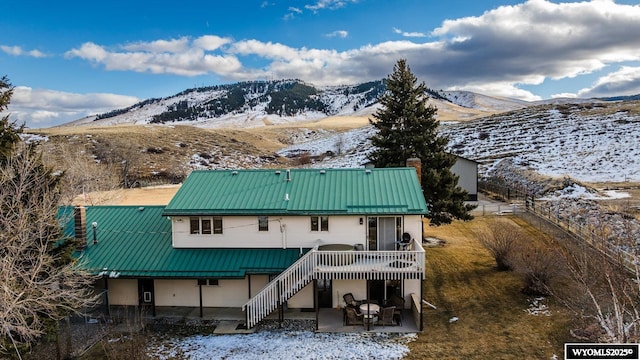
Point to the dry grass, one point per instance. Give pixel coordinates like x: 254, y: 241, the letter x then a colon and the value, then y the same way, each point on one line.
x: 492, y: 323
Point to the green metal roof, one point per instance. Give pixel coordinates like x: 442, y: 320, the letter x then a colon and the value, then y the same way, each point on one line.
x: 136, y: 242
x: 308, y: 191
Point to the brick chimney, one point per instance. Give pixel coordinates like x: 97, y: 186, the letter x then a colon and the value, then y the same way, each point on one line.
x: 80, y: 225
x: 415, y: 163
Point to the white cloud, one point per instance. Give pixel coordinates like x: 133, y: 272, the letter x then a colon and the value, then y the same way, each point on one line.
x: 160, y: 46
x: 18, y: 51
x: 409, y: 34
x: 625, y: 81
x: 181, y: 56
x: 45, y: 108
x: 503, y: 48
x: 338, y: 33
x: 328, y: 4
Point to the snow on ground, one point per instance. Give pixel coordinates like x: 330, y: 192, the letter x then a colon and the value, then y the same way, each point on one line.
x: 591, y: 148
x: 588, y: 148
x: 286, y: 345
x: 575, y: 191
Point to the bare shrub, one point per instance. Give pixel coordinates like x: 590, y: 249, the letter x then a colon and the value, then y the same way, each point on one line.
x: 604, y: 293
x: 304, y: 158
x: 500, y: 239
x: 539, y: 266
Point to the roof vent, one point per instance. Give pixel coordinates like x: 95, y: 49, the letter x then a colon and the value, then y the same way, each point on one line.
x: 277, y: 172
x: 234, y: 173
x: 288, y: 175
x: 367, y: 171
x: 286, y: 197
x: 323, y: 171
x: 141, y: 208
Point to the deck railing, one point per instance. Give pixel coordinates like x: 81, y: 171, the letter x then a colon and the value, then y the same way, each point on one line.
x: 370, y: 265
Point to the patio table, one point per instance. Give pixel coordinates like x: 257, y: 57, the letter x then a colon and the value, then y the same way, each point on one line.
x: 370, y: 312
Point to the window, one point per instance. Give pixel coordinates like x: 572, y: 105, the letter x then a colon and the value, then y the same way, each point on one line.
x: 209, y: 282
x: 205, y: 225
x: 263, y: 223
x: 217, y: 224
x: 195, y: 225
x: 319, y: 223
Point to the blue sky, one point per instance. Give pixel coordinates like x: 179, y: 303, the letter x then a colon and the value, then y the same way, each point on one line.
x: 69, y: 59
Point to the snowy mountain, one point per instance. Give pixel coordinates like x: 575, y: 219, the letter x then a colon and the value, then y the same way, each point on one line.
x: 260, y: 103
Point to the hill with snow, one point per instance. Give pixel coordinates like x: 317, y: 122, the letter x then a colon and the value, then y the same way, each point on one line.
x: 593, y: 142
x: 263, y: 103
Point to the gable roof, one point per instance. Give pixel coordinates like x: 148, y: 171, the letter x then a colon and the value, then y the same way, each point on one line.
x: 308, y: 191
x: 135, y: 241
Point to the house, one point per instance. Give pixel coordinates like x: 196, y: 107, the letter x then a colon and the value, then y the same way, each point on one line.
x: 467, y: 171
x: 261, y: 240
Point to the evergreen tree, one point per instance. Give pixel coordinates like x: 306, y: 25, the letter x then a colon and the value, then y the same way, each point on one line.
x: 9, y: 132
x: 407, y: 128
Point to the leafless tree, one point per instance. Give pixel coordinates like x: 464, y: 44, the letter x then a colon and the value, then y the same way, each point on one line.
x: 500, y: 238
x: 83, y: 174
x: 122, y: 155
x: 39, y: 282
x: 605, y: 288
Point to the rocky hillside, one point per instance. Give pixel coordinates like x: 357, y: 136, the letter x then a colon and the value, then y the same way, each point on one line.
x: 260, y: 103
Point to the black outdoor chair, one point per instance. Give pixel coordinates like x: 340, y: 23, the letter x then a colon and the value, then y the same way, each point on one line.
x: 385, y: 317
x: 351, y: 316
x: 350, y: 300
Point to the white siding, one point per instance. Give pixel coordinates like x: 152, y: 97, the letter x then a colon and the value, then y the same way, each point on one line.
x: 302, y: 299
x: 123, y: 292
x: 229, y: 293
x: 340, y: 287
x: 176, y: 292
x: 467, y: 171
x: 284, y: 232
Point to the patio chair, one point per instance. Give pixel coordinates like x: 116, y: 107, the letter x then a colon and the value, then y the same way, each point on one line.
x: 350, y: 300
x: 398, y: 302
x: 352, y: 317
x: 385, y: 317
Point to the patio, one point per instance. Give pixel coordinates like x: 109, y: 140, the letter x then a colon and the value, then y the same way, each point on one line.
x: 330, y: 319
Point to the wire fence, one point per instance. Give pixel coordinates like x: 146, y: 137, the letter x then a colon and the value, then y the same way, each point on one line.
x: 548, y: 218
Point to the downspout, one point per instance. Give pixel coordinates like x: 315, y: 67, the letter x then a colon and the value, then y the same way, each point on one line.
x: 283, y: 231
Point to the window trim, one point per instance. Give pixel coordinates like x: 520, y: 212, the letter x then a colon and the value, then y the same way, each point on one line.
x: 263, y: 223
x: 213, y: 225
x: 319, y: 223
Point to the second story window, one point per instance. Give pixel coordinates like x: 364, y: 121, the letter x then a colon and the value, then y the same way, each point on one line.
x: 319, y: 223
x: 205, y: 225
x: 263, y: 223
x: 217, y: 224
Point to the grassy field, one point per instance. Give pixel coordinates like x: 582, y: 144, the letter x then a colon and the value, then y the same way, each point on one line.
x: 492, y: 321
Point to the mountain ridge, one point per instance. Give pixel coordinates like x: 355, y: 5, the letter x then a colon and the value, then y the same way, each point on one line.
x: 260, y: 103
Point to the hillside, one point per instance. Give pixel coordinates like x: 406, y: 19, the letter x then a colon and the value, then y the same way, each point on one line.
x: 593, y: 142
x: 264, y: 103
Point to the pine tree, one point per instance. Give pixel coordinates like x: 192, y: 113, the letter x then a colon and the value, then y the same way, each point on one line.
x: 9, y: 132
x: 407, y: 128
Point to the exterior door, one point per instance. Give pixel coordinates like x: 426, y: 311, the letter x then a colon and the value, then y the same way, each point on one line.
x: 145, y: 292
x: 383, y: 232
x: 324, y: 293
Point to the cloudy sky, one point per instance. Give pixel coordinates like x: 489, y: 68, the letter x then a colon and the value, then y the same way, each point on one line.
x: 69, y: 59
